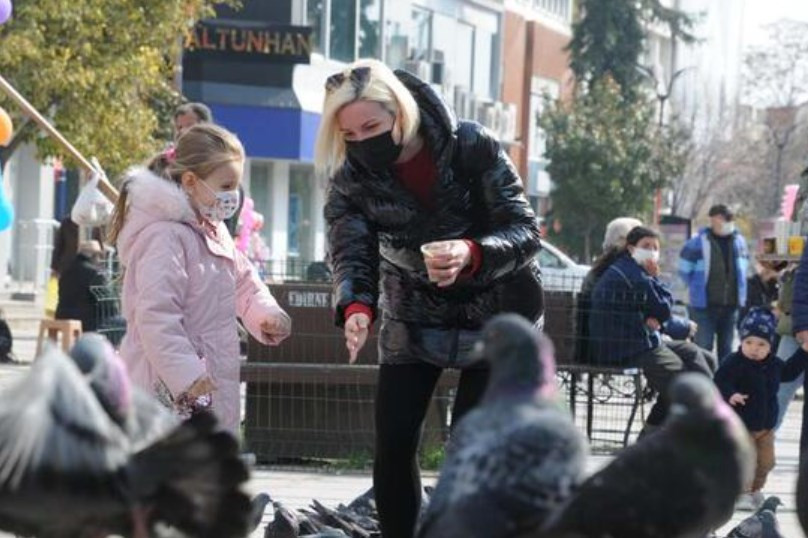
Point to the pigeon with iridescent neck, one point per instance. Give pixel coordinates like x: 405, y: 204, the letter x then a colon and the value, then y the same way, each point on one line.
x: 516, y: 457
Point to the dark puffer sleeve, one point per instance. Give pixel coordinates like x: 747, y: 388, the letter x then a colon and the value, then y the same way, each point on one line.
x: 353, y: 248
x: 512, y: 237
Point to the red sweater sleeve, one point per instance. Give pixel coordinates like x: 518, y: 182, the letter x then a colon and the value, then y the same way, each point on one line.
x: 358, y: 308
x: 476, y: 258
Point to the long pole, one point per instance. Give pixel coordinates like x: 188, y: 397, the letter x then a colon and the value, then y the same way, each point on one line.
x: 103, y: 185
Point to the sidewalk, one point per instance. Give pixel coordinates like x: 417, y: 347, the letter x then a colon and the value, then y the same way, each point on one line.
x: 296, y: 488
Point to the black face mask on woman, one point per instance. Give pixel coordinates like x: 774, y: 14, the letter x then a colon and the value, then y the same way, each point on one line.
x: 375, y: 153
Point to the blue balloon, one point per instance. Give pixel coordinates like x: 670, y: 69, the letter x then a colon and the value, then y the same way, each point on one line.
x: 6, y: 209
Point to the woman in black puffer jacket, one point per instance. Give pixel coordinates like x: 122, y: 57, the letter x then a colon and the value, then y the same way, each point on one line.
x: 403, y: 172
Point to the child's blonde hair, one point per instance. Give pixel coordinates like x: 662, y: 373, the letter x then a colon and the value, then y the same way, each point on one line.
x: 200, y: 149
x: 381, y: 86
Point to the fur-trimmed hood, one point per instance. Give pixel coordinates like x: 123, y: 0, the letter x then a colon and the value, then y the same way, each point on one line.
x: 152, y: 199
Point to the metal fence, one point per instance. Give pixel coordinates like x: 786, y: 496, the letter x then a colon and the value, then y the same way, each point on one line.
x: 304, y: 401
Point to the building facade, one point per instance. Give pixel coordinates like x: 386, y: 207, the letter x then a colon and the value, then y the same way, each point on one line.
x: 537, y: 33
x: 273, y: 100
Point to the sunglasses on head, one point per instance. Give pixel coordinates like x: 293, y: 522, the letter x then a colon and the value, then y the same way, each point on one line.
x: 358, y: 77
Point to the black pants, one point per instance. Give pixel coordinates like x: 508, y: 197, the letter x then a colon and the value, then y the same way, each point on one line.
x: 404, y: 393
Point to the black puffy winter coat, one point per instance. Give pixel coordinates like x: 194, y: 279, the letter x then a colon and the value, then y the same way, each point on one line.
x: 376, y: 227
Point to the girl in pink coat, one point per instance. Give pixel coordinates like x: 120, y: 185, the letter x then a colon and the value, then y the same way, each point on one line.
x: 184, y: 281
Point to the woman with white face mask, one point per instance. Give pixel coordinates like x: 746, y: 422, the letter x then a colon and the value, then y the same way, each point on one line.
x: 630, y: 306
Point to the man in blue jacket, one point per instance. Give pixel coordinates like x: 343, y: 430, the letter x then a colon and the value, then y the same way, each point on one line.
x: 714, y: 265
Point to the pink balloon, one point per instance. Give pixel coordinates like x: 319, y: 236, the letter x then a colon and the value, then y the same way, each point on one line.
x: 259, y: 221
x: 5, y: 10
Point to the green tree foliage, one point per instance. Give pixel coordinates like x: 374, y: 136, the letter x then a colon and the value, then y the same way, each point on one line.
x: 610, y: 36
x: 607, y: 160
x: 101, y: 70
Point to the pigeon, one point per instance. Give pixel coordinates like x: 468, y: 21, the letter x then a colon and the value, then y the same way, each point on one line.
x: 761, y: 524
x: 516, y: 457
x: 258, y: 507
x: 679, y: 482
x: 365, y: 504
x: 802, y: 492
x: 284, y: 524
x: 79, y: 458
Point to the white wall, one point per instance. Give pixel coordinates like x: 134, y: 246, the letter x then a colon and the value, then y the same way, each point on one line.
x: 26, y: 246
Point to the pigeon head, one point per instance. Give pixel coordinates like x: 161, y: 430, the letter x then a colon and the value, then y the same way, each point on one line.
x: 693, y: 393
x: 771, y: 503
x: 519, y: 355
x: 106, y: 373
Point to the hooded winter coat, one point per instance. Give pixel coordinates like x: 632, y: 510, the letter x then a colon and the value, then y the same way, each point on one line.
x: 182, y: 291
x: 376, y: 227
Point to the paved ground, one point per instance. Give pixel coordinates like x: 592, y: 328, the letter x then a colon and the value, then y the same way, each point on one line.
x: 297, y: 488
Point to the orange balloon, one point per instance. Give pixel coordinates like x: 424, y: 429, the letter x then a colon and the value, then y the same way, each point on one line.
x: 6, y: 128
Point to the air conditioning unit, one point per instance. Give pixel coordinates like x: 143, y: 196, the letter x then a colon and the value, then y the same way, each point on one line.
x: 419, y: 68
x: 438, y: 75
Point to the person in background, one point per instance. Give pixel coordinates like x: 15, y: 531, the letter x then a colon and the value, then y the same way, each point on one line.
x: 189, y: 114
x: 749, y: 380
x: 630, y: 307
x: 76, y: 300
x: 713, y: 264
x: 66, y: 245
x: 792, y: 325
x: 6, y: 341
x: 763, y: 288
x: 677, y: 331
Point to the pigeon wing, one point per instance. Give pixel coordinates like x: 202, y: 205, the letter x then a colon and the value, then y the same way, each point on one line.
x: 527, y: 467
x: 51, y: 422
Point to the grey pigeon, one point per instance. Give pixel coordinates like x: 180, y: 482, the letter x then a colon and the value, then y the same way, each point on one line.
x: 365, y: 504
x: 76, y: 459
x: 284, y: 524
x: 327, y: 532
x: 258, y: 507
x: 802, y: 490
x: 516, y: 457
x: 680, y: 482
x: 761, y: 524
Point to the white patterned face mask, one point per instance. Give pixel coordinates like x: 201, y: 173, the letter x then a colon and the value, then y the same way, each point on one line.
x: 223, y: 208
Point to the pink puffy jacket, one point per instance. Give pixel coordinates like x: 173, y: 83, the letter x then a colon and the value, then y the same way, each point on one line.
x: 182, y: 291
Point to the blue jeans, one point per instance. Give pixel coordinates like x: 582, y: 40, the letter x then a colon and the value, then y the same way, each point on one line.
x: 715, y: 323
x: 788, y: 345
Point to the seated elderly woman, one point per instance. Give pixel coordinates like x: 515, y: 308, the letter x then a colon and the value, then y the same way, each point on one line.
x: 630, y: 309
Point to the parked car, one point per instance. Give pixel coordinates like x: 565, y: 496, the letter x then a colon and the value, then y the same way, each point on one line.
x: 559, y: 271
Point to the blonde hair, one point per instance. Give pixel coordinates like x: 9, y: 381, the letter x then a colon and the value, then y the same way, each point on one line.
x: 200, y: 149
x: 383, y: 87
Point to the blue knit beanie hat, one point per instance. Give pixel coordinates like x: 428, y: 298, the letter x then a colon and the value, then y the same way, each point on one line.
x: 759, y: 322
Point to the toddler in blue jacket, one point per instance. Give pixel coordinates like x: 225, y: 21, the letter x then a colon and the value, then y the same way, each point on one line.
x: 749, y: 380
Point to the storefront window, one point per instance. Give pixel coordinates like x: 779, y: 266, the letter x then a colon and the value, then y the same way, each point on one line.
x: 260, y: 174
x: 421, y: 34
x: 343, y: 30
x: 483, y: 48
x: 301, y: 234
x: 369, y: 28
x: 314, y: 15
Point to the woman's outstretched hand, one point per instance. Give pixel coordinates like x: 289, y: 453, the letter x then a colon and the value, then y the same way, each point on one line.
x: 357, y: 328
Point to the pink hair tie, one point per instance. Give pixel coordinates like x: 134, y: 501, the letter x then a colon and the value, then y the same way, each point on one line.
x: 171, y: 154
